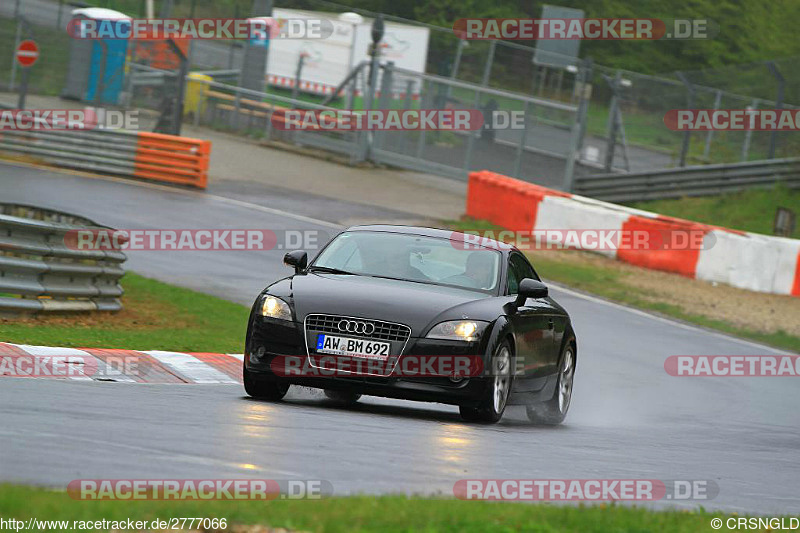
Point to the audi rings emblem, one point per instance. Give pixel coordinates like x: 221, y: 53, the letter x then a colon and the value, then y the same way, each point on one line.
x: 356, y: 326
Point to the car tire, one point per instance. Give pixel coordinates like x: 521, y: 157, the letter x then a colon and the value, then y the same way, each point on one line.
x: 494, y: 399
x: 263, y: 389
x: 342, y: 396
x: 553, y: 411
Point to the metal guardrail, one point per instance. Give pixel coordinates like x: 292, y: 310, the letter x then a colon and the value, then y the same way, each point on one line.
x: 40, y: 273
x: 110, y: 151
x: 135, y: 154
x: 689, y: 181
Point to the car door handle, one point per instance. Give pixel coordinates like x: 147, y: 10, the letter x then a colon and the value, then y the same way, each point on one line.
x: 550, y: 323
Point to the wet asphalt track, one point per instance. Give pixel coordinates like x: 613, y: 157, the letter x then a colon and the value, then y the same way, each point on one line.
x: 629, y: 419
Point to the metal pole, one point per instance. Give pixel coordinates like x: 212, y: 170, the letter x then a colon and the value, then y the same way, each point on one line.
x: 584, y: 74
x: 23, y: 88
x: 613, y: 123
x: 60, y: 11
x: 456, y: 64
x: 522, y: 140
x: 710, y: 135
x: 773, y: 138
x: 748, y: 135
x: 487, y: 71
x: 690, y: 104
x: 17, y: 39
x: 181, y: 86
x: 384, y: 100
x: 298, y: 71
x: 487, y: 67
x: 584, y: 96
x: 407, y: 106
x: 369, y: 97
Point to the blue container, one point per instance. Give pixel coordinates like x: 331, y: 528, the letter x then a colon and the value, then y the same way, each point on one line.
x: 107, y: 71
x: 97, y: 66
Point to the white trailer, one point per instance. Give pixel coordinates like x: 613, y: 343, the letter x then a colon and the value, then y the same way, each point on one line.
x: 328, y: 61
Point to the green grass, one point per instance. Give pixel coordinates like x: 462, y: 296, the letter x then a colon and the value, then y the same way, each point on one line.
x: 361, y: 513
x: 155, y: 316
x: 752, y: 210
x: 609, y: 283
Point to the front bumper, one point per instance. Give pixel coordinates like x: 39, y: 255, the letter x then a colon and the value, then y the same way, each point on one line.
x: 271, y: 340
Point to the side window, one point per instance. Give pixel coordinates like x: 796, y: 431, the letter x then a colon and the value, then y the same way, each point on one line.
x: 518, y: 269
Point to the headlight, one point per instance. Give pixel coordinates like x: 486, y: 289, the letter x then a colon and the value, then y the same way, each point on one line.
x: 275, y: 308
x: 458, y: 330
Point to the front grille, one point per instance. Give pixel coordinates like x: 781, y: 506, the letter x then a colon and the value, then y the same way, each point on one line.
x: 385, y: 331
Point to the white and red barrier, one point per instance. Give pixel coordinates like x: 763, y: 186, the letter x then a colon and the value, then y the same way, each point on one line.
x: 746, y: 260
x: 129, y: 366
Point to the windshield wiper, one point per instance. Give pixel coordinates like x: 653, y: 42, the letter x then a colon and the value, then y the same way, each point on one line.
x: 330, y: 270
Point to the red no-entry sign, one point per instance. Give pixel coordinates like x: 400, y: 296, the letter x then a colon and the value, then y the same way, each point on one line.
x: 27, y: 53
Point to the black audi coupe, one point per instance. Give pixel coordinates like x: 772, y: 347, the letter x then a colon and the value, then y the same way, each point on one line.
x: 414, y: 313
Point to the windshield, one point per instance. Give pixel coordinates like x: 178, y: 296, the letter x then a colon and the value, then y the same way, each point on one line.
x: 412, y: 258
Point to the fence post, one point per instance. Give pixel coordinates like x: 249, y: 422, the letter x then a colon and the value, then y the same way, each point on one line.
x: 456, y: 64
x: 584, y: 75
x: 17, y: 39
x: 773, y: 137
x: 383, y: 100
x: 406, y: 106
x: 297, y: 73
x: 487, y: 67
x: 487, y: 71
x: 584, y: 97
x: 748, y: 135
x: 710, y: 135
x: 687, y: 135
x: 613, y: 123
x: 522, y: 140
x: 369, y: 97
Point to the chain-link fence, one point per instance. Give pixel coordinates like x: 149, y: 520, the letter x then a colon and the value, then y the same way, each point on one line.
x: 623, y: 129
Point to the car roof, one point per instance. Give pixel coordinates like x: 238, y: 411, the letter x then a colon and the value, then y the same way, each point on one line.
x: 424, y: 231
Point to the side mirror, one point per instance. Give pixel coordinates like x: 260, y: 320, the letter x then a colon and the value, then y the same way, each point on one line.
x: 297, y: 259
x: 530, y: 288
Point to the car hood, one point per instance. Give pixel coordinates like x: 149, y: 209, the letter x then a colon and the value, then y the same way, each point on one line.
x: 413, y: 304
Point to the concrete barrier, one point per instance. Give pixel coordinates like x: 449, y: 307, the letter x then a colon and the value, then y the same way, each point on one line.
x: 749, y: 261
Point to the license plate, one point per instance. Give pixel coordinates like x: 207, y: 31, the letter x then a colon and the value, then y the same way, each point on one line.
x: 350, y: 347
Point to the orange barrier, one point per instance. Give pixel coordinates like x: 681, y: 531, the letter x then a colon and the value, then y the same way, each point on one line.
x: 675, y: 257
x: 701, y: 251
x: 796, y: 284
x: 506, y: 202
x: 173, y: 159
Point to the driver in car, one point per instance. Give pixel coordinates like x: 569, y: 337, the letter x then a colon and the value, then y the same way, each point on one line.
x: 478, y: 272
